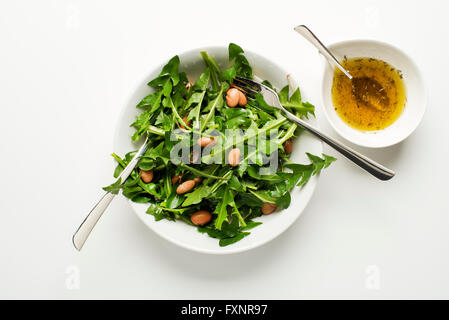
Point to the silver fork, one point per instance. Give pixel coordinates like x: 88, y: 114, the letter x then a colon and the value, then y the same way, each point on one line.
x: 252, y: 87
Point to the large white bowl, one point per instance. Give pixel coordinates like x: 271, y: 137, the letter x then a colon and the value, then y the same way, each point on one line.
x: 185, y: 235
x: 415, y: 93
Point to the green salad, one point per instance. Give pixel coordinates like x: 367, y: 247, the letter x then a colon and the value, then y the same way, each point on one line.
x: 217, y: 157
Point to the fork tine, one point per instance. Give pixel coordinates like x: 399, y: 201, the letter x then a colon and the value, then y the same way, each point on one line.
x: 257, y: 86
x: 242, y: 85
x: 244, y: 90
x: 248, y: 91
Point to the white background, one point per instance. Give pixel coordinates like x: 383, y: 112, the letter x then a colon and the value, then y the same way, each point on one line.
x: 66, y: 71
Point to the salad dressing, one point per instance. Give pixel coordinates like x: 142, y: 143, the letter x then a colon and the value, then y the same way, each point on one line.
x: 373, y: 99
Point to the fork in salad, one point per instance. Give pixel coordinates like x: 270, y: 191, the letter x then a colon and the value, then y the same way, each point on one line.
x: 252, y: 88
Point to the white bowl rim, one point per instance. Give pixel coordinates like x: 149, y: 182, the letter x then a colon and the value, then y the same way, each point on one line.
x: 311, y: 183
x: 418, y: 72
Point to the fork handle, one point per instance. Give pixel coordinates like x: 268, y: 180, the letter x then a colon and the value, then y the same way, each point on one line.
x: 362, y: 161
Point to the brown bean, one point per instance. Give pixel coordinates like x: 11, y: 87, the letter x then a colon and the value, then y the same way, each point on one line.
x: 232, y: 97
x: 147, y: 176
x: 185, y: 121
x: 205, y: 141
x: 234, y: 157
x: 268, y: 207
x: 288, y: 146
x: 242, y: 99
x: 198, y: 180
x: 185, y: 187
x: 200, y: 218
x: 177, y: 178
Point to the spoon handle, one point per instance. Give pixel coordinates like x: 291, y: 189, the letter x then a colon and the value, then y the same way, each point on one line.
x: 306, y: 33
x: 86, y: 227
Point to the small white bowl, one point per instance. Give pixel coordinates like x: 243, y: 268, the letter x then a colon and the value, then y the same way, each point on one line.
x: 414, y: 85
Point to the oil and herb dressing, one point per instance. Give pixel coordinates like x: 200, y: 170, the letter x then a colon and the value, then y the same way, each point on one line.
x: 373, y: 99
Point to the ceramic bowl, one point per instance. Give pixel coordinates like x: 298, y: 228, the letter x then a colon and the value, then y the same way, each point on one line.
x: 185, y: 235
x: 414, y: 85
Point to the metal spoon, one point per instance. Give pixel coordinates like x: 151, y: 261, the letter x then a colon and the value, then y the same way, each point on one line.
x: 367, y: 91
x: 306, y: 33
x: 86, y: 227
